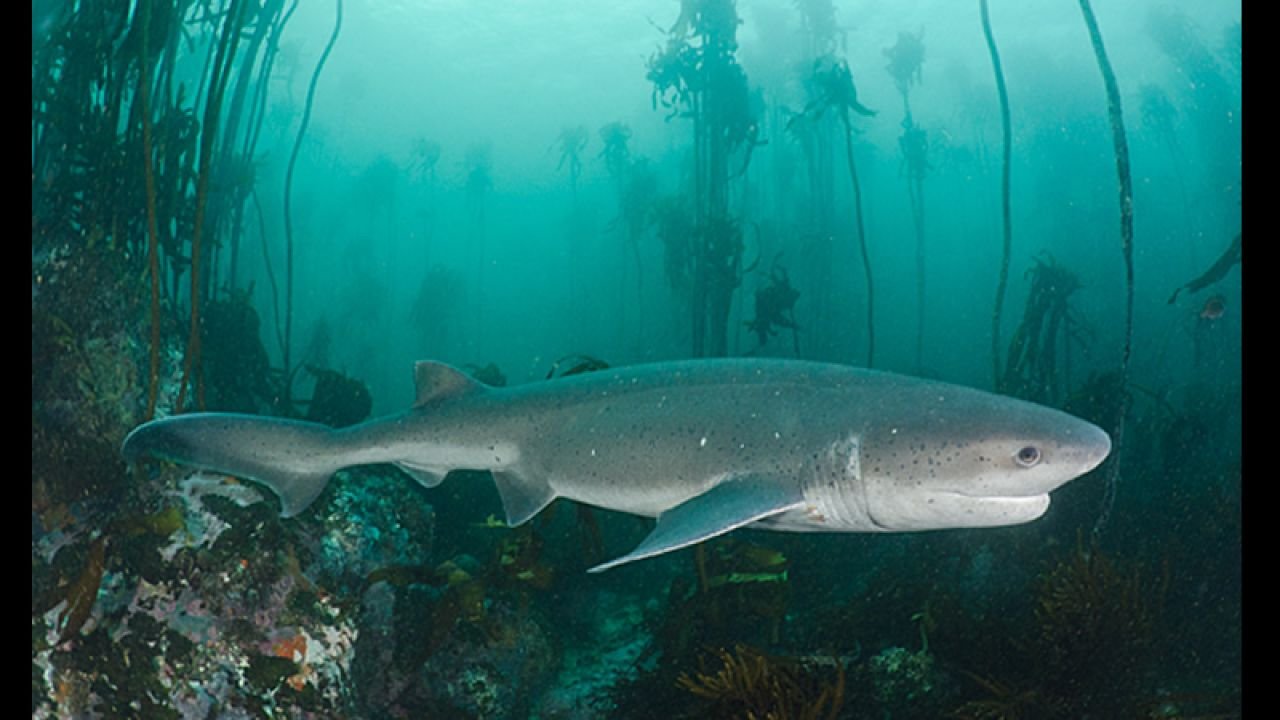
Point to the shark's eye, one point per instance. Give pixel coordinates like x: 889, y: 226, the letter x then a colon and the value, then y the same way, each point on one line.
x: 1027, y: 456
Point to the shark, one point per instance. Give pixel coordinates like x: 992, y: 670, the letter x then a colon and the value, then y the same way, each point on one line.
x: 703, y: 446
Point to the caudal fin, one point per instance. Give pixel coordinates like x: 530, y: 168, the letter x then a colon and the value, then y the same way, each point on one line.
x: 295, y: 459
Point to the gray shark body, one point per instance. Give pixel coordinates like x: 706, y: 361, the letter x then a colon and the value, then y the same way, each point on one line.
x: 704, y: 446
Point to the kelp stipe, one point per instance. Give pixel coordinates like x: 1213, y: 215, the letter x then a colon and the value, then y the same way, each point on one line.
x: 1121, y: 145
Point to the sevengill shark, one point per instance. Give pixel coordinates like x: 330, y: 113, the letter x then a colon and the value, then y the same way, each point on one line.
x: 704, y: 446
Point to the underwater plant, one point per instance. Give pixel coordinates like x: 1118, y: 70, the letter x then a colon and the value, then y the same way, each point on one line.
x: 236, y: 368
x: 914, y: 144
x: 288, y: 204
x: 1218, y: 270
x: 1096, y: 626
x: 774, y: 307
x: 697, y: 75
x: 636, y: 184
x: 750, y: 684
x: 673, y: 221
x: 1125, y: 191
x: 906, y: 64
x: 376, y: 188
x: 575, y: 365
x: 1006, y: 221
x: 425, y: 158
x: 1032, y: 370
x: 572, y: 141
x: 338, y: 400
x: 1088, y: 649
x: 426, y: 155
x: 616, y: 153
x: 834, y: 82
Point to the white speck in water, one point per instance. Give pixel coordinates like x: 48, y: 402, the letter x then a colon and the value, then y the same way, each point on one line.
x: 703, y: 442
x: 593, y: 452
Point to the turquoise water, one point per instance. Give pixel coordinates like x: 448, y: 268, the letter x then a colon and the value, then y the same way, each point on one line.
x: 532, y: 189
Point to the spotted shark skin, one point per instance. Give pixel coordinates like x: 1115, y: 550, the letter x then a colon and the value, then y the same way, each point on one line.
x: 704, y: 446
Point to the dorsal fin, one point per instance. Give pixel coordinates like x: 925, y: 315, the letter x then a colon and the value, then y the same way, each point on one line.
x: 437, y: 381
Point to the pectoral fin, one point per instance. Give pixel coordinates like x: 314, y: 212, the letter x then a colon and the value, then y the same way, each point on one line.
x: 736, y: 501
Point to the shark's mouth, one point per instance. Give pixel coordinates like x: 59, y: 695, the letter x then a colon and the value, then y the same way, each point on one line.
x: 1031, y: 495
x: 943, y: 509
x: 985, y: 510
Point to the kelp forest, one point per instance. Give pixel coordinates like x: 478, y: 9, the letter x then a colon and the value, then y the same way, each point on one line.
x: 275, y: 208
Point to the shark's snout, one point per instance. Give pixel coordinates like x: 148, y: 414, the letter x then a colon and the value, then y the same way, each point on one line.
x: 1098, y: 447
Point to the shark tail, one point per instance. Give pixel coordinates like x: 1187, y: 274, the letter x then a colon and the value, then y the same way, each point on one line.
x: 294, y: 459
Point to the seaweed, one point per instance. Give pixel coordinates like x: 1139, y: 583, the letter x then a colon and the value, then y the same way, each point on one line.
x: 426, y: 156
x: 1092, y: 641
x: 288, y: 204
x: 338, y: 400
x: 1124, y: 187
x: 834, y: 82
x: 1032, y: 369
x: 750, y: 684
x: 906, y: 63
x: 237, y: 372
x: 122, y: 160
x: 636, y: 185
x: 774, y: 307
x: 1097, y: 622
x: 572, y: 141
x: 83, y: 593
x: 575, y: 365
x: 698, y: 73
x: 914, y: 144
x: 1006, y: 221
x: 1227, y: 260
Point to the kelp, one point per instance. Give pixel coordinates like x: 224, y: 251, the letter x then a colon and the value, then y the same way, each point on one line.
x: 836, y: 91
x: 124, y: 156
x: 775, y: 308
x: 914, y: 144
x: 750, y: 684
x: 1033, y: 370
x: 697, y: 76
x: 1006, y: 221
x: 1218, y: 270
x: 1125, y: 192
x: 288, y: 205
